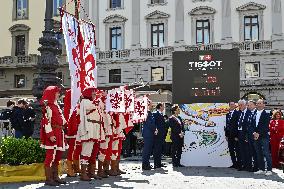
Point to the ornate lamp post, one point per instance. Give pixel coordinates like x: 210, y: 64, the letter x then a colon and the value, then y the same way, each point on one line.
x: 47, y: 63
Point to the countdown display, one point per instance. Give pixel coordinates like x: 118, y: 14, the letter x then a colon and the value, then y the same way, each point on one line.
x: 206, y: 76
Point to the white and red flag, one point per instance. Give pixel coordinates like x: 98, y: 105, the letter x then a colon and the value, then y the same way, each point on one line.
x: 80, y: 47
x: 140, y: 109
x: 115, y: 100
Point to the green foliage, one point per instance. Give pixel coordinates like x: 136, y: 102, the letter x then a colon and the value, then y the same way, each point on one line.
x: 20, y: 151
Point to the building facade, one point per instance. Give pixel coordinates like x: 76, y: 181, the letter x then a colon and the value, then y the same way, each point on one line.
x: 136, y: 38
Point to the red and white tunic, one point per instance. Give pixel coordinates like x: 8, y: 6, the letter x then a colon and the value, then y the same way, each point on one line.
x: 90, y: 127
x: 52, y: 125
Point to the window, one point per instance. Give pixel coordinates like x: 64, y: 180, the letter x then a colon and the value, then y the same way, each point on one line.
x: 115, y: 76
x: 2, y: 72
x: 251, y: 28
x: 202, y: 32
x: 57, y: 4
x: 20, y: 45
x: 157, y: 74
x: 157, y: 35
x: 115, y: 4
x: 157, y: 1
x: 21, y: 9
x: 252, y: 69
x: 115, y: 36
x: 20, y: 81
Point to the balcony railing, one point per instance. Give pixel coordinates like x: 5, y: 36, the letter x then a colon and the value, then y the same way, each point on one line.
x: 253, y: 45
x: 261, y: 82
x: 114, y: 54
x: 154, y: 52
x: 203, y: 47
x: 16, y: 60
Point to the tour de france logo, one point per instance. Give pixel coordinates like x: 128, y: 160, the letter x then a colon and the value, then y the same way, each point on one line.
x: 205, y: 62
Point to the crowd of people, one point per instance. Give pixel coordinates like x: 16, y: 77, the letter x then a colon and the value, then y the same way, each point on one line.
x: 254, y: 136
x: 94, y: 137
x: 21, y: 117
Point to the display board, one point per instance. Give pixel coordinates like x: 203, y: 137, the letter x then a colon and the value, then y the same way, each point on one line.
x: 205, y: 142
x: 206, y: 76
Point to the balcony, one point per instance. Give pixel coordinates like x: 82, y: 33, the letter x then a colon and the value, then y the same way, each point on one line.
x: 203, y: 47
x: 15, y: 61
x: 114, y: 54
x: 158, y: 52
x: 249, y: 82
x: 253, y: 45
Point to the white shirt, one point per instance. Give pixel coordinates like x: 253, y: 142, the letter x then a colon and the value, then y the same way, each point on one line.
x: 258, y: 114
x: 231, y: 113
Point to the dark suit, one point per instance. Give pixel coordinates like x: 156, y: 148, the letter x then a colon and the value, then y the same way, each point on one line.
x: 159, y: 139
x: 243, y: 124
x: 17, y: 121
x: 28, y: 127
x: 177, y: 142
x: 231, y: 132
x: 262, y: 144
x: 250, y: 131
x: 148, y: 131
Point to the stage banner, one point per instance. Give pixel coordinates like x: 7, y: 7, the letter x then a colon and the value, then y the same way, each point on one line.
x: 205, y: 142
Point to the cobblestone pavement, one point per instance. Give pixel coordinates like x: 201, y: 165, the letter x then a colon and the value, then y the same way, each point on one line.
x: 188, y: 177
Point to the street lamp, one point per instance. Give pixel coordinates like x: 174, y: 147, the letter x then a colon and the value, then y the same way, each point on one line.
x: 47, y: 63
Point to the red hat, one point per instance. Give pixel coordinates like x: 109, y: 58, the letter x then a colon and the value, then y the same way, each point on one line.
x: 49, y: 94
x: 87, y: 92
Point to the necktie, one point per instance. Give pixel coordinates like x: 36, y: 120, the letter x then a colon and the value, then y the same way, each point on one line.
x: 241, y: 120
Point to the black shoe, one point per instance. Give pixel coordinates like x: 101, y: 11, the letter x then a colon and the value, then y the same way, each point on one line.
x: 241, y: 169
x: 163, y: 165
x: 174, y: 165
x: 232, y: 167
x: 180, y: 165
x: 146, y: 167
x: 157, y: 166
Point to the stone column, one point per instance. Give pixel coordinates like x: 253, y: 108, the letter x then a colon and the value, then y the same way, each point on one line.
x: 226, y: 22
x: 277, y: 32
x: 135, y: 41
x: 179, y: 22
x: 94, y: 12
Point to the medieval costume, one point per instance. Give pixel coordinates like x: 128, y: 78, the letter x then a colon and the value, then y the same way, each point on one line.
x: 90, y: 132
x: 74, y: 151
x: 52, y: 134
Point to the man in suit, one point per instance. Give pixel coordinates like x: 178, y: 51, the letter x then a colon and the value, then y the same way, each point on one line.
x: 252, y: 152
x: 231, y: 133
x: 159, y: 139
x: 261, y: 137
x: 148, y: 133
x: 242, y: 135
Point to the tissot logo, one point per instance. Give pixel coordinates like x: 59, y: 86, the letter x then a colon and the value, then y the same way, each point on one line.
x: 206, y: 62
x: 205, y: 57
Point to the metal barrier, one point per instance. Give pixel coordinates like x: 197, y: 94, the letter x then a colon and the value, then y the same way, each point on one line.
x: 6, y: 129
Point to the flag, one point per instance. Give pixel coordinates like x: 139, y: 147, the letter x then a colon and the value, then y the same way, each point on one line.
x: 115, y: 100
x: 141, y: 109
x: 80, y: 47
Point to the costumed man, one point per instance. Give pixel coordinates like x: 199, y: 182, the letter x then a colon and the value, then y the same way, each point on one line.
x: 104, y: 156
x: 52, y: 134
x: 90, y: 133
x: 74, y: 151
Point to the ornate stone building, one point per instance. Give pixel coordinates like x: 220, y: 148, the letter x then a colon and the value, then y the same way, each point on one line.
x: 136, y: 38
